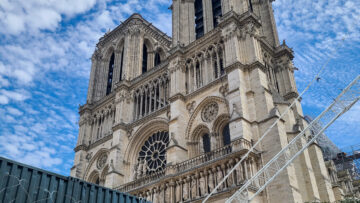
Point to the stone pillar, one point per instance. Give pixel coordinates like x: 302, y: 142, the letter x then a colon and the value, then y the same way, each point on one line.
x: 208, y: 15
x: 93, y: 76
x: 183, y: 15
x: 177, y: 151
x: 321, y: 174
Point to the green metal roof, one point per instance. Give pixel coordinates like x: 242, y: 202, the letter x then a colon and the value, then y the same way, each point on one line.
x: 20, y: 183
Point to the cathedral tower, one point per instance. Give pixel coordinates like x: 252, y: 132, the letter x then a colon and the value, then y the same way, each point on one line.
x: 167, y: 118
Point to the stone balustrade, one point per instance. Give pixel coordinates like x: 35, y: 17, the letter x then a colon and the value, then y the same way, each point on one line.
x: 196, y: 177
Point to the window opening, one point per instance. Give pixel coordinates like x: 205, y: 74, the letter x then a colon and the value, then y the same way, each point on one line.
x: 206, y: 143
x: 216, y: 9
x: 199, y: 19
x: 144, y: 61
x: 121, y: 64
x: 110, y: 75
x: 157, y: 59
x: 226, y: 135
x: 153, y: 153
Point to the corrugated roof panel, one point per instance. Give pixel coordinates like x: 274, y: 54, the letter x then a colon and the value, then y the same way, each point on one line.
x: 20, y: 183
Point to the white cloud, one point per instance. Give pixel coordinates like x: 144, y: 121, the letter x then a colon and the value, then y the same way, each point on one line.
x: 17, y: 95
x: 14, y: 111
x: 19, y: 16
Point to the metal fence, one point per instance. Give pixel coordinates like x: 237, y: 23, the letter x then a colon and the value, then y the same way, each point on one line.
x: 20, y: 183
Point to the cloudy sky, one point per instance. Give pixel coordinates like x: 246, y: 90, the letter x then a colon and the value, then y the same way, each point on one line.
x: 46, y: 45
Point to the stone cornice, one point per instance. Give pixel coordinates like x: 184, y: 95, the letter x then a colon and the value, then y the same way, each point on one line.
x: 189, y: 96
x: 152, y: 73
x: 177, y: 97
x: 100, y: 141
x: 148, y: 28
x: 240, y: 20
x: 128, y: 126
x: 80, y: 148
x: 284, y: 50
x: 203, y: 41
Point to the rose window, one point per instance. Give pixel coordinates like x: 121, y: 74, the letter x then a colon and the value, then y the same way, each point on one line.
x: 153, y: 153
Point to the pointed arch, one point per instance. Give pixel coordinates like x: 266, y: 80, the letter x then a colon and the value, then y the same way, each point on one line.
x: 222, y: 104
x: 91, y: 166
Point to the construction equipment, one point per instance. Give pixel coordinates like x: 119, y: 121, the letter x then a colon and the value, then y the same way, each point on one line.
x: 346, y: 99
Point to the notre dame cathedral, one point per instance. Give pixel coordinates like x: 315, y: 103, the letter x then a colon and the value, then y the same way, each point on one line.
x: 166, y: 118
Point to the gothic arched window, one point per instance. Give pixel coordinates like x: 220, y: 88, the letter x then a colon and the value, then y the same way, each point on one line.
x: 206, y: 143
x: 121, y: 64
x: 199, y: 19
x: 144, y: 59
x: 216, y: 9
x: 157, y: 59
x: 152, y: 156
x: 251, y: 6
x: 226, y: 135
x: 110, y: 74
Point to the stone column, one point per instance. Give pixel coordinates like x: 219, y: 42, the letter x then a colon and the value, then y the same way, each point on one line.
x: 321, y: 174
x: 183, y: 18
x: 208, y: 16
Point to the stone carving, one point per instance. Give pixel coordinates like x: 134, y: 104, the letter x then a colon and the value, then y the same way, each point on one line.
x: 89, y: 156
x: 191, y: 107
x: 202, y: 184
x: 211, y: 181
x: 219, y: 177
x: 210, y: 112
x: 178, y: 191
x: 101, y: 161
x: 193, y: 187
x: 186, y: 189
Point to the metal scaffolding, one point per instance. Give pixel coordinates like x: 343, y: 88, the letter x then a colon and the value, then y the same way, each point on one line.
x: 346, y: 99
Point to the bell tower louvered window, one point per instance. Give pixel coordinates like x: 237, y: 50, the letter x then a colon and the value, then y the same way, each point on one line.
x: 121, y: 64
x: 251, y: 6
x: 157, y: 59
x: 199, y: 19
x: 110, y: 75
x: 206, y: 143
x: 144, y: 61
x: 216, y: 9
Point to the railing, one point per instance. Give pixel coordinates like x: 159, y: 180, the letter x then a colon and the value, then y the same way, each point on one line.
x: 235, y: 146
x: 141, y: 181
x: 215, y: 154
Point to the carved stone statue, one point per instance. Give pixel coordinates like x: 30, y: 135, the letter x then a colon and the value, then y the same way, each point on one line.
x: 139, y: 168
x: 230, y: 179
x: 155, y: 196
x: 239, y: 173
x: 178, y: 191
x: 219, y: 177
x: 193, y: 187
x: 202, y: 185
x: 144, y: 168
x: 167, y: 193
x: 161, y: 194
x: 186, y: 189
x: 211, y: 181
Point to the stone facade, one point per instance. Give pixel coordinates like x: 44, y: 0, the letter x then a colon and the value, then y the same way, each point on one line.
x: 167, y: 118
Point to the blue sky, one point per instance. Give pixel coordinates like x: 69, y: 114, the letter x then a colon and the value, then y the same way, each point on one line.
x: 46, y: 45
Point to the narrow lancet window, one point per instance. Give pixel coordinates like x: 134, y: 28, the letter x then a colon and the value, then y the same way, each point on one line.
x: 251, y: 6
x: 110, y: 75
x: 216, y: 9
x: 144, y: 61
x: 206, y: 143
x: 121, y: 64
x: 226, y: 135
x: 157, y: 59
x: 199, y: 19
